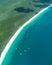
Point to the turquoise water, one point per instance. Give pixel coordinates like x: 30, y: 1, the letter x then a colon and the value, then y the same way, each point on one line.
x: 35, y: 46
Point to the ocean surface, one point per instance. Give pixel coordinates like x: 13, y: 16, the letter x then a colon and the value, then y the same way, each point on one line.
x: 35, y: 46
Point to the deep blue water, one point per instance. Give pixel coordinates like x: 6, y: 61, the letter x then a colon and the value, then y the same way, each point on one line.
x: 35, y: 46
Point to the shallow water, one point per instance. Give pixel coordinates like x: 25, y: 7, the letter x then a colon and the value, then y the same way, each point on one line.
x: 35, y: 46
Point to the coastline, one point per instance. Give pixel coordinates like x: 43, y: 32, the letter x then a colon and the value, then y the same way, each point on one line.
x: 16, y: 34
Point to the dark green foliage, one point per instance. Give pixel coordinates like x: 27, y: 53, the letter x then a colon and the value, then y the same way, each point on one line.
x: 24, y: 10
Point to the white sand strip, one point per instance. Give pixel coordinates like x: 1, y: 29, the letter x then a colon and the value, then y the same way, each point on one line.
x: 3, y: 54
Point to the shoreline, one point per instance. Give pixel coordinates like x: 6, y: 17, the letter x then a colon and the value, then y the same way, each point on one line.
x: 16, y: 34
